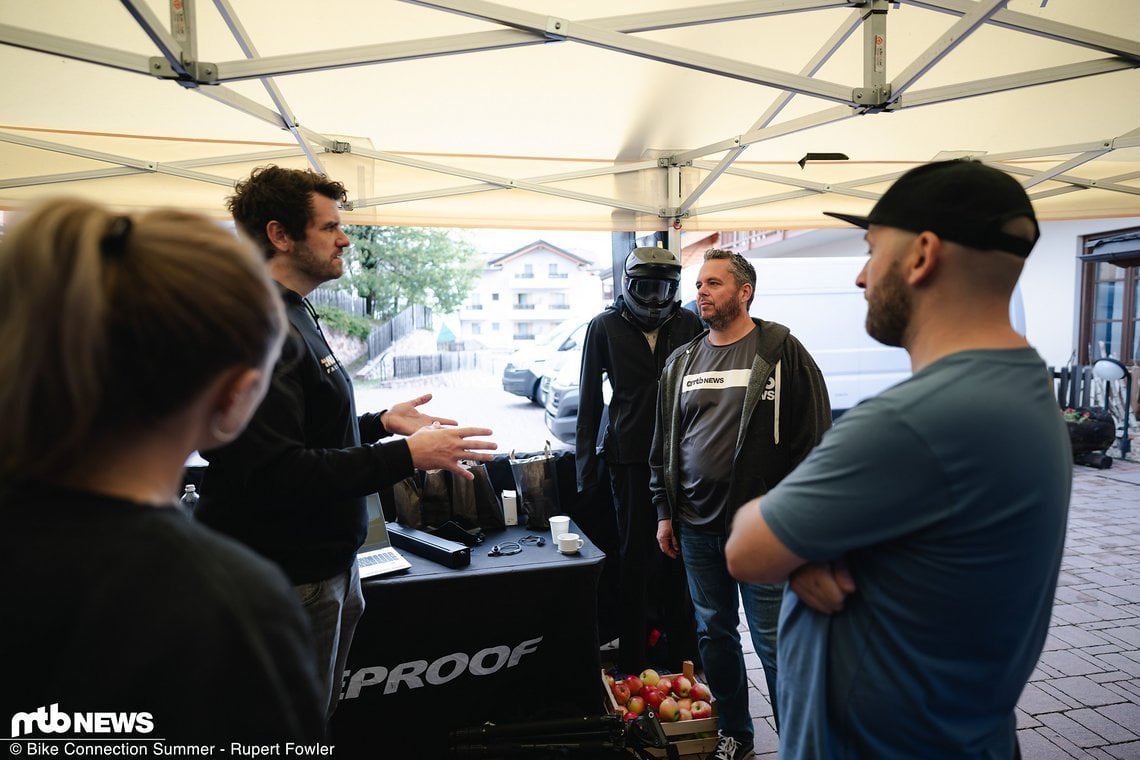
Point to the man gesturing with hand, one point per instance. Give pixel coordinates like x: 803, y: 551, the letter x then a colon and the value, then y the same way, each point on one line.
x: 293, y: 485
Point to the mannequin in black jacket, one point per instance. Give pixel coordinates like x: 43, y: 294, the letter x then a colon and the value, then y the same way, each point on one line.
x: 628, y: 343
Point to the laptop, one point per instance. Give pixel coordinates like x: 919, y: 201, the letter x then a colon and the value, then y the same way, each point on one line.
x: 376, y: 556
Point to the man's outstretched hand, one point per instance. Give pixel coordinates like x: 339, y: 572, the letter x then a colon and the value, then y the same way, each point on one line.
x: 436, y: 447
x: 405, y: 417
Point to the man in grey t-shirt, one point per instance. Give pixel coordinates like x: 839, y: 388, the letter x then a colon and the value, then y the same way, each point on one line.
x: 738, y: 408
x: 712, y: 398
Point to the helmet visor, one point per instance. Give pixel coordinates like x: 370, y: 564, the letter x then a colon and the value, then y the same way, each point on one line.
x: 652, y: 291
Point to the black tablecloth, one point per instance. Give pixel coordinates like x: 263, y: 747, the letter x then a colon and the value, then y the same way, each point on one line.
x: 507, y: 639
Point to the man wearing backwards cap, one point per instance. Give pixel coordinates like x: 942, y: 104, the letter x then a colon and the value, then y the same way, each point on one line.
x: 923, y: 536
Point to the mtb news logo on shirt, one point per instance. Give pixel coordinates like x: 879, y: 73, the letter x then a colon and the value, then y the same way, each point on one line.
x: 733, y: 378
x: 50, y: 720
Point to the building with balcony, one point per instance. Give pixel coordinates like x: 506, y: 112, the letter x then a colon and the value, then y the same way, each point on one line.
x: 528, y: 292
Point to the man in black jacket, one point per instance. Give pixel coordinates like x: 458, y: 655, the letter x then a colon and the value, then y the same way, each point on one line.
x: 628, y: 343
x: 740, y: 406
x: 293, y: 485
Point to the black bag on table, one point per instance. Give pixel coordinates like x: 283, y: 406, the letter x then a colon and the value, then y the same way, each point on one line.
x: 536, y: 483
x: 430, y: 499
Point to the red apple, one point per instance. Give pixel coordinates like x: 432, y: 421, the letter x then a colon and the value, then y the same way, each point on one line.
x: 701, y: 709
x: 682, y: 685
x: 636, y: 705
x: 665, y: 684
x: 686, y: 714
x: 652, y: 696
x: 668, y: 711
x: 685, y: 703
x: 634, y: 683
x: 621, y: 692
x: 630, y: 715
x: 650, y: 677
x: 700, y: 691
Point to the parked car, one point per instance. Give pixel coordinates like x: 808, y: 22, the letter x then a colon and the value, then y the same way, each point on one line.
x: 523, y: 374
x: 561, y: 393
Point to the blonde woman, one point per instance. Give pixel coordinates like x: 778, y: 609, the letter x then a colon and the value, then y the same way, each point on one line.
x: 129, y: 342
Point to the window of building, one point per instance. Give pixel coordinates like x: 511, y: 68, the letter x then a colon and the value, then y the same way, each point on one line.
x: 1110, y: 297
x: 494, y: 296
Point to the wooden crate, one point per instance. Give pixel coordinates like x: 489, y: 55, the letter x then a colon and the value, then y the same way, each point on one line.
x: 688, y: 737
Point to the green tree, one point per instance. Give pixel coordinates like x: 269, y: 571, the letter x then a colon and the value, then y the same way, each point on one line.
x: 395, y: 267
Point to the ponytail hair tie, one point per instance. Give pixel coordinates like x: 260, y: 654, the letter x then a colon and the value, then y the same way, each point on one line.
x: 114, y: 243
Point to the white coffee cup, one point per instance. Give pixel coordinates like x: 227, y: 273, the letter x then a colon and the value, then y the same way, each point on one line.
x: 559, y: 524
x: 569, y: 543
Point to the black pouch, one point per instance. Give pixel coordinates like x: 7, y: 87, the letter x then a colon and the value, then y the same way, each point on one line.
x: 536, y: 483
x: 430, y: 499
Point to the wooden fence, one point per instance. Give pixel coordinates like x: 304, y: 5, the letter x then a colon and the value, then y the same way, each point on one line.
x: 406, y: 322
x: 346, y: 302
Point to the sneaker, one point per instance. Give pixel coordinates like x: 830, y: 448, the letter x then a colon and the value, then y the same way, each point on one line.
x: 728, y: 748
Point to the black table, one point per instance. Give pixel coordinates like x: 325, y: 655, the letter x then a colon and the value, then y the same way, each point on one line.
x: 507, y: 639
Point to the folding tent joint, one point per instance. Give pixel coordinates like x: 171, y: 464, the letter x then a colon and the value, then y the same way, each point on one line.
x: 666, y: 162
x: 556, y: 28
x: 338, y: 146
x: 197, y: 73
x: 673, y: 212
x: 874, y: 98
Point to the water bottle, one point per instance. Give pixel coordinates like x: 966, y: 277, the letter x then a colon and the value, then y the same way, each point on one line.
x: 189, y: 500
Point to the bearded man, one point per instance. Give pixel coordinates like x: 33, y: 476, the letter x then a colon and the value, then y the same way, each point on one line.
x: 738, y: 408
x: 923, y: 546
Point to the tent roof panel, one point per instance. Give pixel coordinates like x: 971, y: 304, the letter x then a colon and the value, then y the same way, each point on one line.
x: 484, y: 137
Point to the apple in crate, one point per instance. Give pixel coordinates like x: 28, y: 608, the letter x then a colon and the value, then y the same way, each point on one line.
x: 665, y: 685
x: 668, y: 710
x: 634, y: 683
x: 636, y: 705
x: 685, y: 704
x: 651, y: 696
x: 700, y: 692
x: 650, y: 677
x: 682, y: 686
x: 621, y: 692
x: 686, y: 714
x: 701, y: 709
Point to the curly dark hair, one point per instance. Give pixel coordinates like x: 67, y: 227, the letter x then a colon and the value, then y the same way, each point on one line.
x: 273, y: 193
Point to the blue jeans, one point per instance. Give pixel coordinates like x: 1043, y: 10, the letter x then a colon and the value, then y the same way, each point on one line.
x: 716, y: 600
x: 334, y: 607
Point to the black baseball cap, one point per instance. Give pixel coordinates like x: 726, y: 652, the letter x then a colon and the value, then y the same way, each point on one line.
x: 965, y: 202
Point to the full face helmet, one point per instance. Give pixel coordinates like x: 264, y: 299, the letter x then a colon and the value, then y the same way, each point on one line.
x: 649, y: 286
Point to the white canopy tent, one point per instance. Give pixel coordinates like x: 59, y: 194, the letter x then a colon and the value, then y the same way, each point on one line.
x: 570, y: 114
